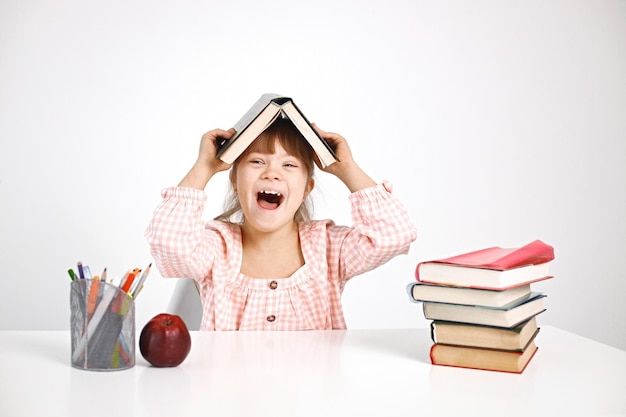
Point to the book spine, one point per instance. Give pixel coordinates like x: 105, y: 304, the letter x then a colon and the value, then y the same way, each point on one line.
x: 433, y: 337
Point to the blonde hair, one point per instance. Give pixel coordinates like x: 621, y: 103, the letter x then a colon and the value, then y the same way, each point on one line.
x: 283, y: 131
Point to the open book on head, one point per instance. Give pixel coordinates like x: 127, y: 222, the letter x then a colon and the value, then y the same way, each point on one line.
x: 260, y: 116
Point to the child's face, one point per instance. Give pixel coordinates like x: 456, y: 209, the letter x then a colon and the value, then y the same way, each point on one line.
x: 271, y: 188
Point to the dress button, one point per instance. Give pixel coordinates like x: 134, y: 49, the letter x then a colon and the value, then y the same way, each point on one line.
x: 271, y: 318
x: 273, y: 285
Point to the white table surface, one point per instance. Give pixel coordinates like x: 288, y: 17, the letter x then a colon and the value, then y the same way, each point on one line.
x: 315, y: 373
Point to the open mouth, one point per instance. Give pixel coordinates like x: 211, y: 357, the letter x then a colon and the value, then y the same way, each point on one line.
x: 269, y: 200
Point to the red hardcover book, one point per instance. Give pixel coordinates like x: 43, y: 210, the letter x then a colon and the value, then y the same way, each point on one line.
x: 493, y: 268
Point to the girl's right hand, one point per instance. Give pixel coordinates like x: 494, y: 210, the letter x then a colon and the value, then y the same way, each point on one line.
x: 207, y: 163
x: 209, y: 145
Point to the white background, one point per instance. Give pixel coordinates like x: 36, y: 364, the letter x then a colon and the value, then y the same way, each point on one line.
x: 499, y: 122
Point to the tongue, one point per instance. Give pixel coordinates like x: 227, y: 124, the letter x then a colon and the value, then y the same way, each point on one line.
x: 267, y: 205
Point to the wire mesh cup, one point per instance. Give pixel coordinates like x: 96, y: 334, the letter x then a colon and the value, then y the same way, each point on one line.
x: 102, y: 326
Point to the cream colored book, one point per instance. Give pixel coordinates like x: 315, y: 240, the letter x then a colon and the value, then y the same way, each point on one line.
x: 474, y: 335
x: 420, y: 292
x: 487, y: 359
x: 507, y: 316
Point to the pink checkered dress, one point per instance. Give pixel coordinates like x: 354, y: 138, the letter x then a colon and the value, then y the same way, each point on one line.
x: 184, y: 245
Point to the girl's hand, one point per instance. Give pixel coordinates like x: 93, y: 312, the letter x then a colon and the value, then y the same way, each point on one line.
x: 209, y: 145
x: 339, y: 145
x: 207, y: 163
x: 345, y: 169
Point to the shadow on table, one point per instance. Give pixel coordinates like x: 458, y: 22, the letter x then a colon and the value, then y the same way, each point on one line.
x: 56, y: 349
x: 406, y: 343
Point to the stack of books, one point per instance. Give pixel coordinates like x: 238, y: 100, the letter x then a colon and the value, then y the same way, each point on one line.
x: 482, y: 307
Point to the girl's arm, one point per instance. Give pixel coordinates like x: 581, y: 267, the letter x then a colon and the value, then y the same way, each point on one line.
x: 175, y: 234
x: 382, y: 227
x: 180, y: 243
x: 381, y: 230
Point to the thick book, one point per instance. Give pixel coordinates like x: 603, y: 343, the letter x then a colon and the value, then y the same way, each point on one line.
x: 260, y: 116
x: 485, y: 359
x: 507, y: 316
x: 489, y: 337
x: 491, y: 268
x: 419, y: 292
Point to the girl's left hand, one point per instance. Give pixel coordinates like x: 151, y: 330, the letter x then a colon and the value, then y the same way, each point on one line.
x: 339, y: 145
x: 345, y: 169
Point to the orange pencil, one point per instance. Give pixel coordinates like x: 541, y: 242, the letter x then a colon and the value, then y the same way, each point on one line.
x: 120, y: 298
x: 130, y: 279
x: 93, y: 296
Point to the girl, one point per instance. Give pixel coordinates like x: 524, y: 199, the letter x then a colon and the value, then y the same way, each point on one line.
x: 264, y: 264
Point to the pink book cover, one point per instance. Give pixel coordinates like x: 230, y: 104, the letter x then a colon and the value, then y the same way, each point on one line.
x: 501, y: 259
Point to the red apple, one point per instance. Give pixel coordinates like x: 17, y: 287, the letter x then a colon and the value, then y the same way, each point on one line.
x: 165, y: 340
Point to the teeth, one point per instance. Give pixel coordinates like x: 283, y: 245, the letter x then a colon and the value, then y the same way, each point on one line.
x: 276, y: 193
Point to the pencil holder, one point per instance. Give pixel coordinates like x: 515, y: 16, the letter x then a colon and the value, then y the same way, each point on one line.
x: 102, y: 326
